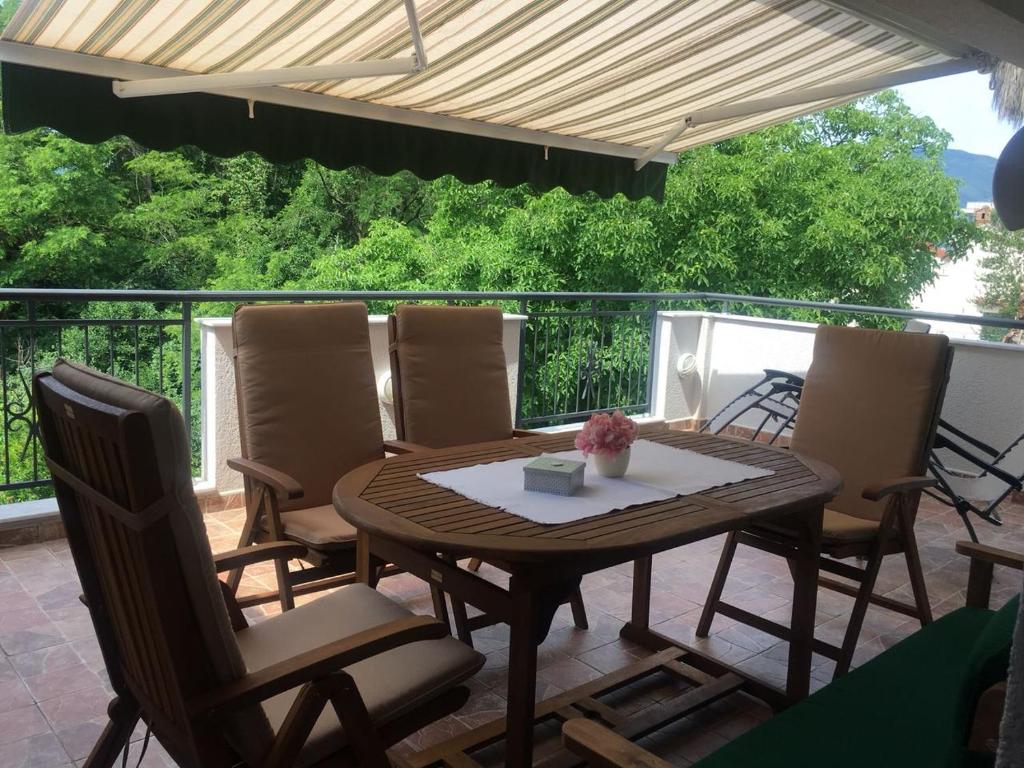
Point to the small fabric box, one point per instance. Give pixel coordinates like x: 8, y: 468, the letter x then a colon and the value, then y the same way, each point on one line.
x: 550, y: 475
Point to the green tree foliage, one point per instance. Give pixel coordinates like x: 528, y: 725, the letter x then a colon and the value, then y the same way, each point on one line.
x: 1003, y: 276
x: 846, y: 205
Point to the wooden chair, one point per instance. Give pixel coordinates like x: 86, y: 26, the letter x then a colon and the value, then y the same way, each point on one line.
x: 966, y: 646
x: 449, y: 384
x: 307, y: 413
x: 870, y: 406
x: 180, y: 656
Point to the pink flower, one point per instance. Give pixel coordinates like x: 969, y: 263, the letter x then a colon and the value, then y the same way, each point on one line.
x: 607, y: 433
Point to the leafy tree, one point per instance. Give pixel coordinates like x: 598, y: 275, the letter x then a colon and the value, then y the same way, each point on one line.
x: 1003, y: 275
x: 846, y: 206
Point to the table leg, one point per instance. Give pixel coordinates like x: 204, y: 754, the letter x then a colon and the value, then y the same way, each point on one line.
x: 805, y: 602
x: 366, y: 564
x: 641, y: 613
x: 522, y: 675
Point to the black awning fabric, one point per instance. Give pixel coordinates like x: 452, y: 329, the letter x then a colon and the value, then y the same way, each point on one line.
x: 85, y: 108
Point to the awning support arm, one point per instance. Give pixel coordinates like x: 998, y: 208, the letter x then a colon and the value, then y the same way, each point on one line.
x: 162, y: 86
x: 419, y: 54
x: 850, y: 88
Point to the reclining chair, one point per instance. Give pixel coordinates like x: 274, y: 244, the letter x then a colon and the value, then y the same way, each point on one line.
x: 450, y: 387
x: 307, y: 414
x: 869, y: 407
x: 215, y: 692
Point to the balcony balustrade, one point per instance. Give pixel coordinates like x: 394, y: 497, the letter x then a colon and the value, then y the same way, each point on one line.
x: 678, y: 357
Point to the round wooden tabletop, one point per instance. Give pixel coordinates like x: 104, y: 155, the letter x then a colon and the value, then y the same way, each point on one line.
x: 387, y: 498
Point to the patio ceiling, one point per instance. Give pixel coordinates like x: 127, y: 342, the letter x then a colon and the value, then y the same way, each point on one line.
x: 580, y: 92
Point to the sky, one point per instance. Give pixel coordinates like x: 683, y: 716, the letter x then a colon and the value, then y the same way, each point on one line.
x: 962, y: 105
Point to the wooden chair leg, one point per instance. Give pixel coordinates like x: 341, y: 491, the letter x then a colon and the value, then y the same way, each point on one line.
x: 459, y: 614
x: 124, y: 714
x: 247, y: 538
x: 860, y: 609
x: 579, y: 610
x: 284, y: 584
x: 917, y: 584
x: 364, y: 741
x: 717, y: 585
x: 440, y: 606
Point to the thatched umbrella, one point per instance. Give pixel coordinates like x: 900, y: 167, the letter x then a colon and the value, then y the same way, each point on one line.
x: 1007, y: 85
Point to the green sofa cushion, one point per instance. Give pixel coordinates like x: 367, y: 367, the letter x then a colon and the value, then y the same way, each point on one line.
x: 988, y: 660
x: 986, y: 665
x: 897, y: 709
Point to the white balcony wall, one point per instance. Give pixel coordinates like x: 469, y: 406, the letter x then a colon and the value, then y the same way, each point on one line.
x: 702, y: 361
x: 730, y: 353
x: 219, y: 405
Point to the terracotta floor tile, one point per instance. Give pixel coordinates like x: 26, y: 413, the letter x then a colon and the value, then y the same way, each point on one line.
x: 59, y: 682
x: 46, y: 637
x: 22, y: 723
x: 26, y: 640
x: 42, y: 751
x: 78, y: 739
x: 45, y: 660
x: 78, y: 707
x: 608, y: 658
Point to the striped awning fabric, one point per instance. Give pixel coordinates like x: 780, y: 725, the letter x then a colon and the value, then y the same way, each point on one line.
x: 621, y: 72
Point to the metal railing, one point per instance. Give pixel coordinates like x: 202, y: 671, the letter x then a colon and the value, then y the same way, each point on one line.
x: 579, y: 352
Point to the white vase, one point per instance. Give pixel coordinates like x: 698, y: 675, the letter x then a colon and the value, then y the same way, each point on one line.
x: 612, y: 465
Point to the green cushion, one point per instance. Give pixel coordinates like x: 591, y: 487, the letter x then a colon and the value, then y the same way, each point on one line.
x: 897, y: 709
x: 986, y: 665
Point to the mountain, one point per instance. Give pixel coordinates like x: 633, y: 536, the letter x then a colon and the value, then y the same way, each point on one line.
x: 974, y: 173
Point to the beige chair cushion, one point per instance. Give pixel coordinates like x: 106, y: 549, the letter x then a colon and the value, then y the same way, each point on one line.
x: 307, y: 398
x: 249, y: 730
x: 453, y: 381
x: 318, y: 528
x: 392, y: 684
x: 868, y: 407
x: 840, y: 528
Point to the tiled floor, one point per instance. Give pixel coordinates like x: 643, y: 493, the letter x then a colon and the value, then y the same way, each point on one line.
x: 54, y: 690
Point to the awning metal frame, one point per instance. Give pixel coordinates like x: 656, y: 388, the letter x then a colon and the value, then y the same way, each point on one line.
x: 131, y: 80
x: 117, y: 69
x: 162, y: 86
x: 849, y: 89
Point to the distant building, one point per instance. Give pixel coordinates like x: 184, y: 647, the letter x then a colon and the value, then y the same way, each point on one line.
x: 982, y: 212
x: 958, y: 284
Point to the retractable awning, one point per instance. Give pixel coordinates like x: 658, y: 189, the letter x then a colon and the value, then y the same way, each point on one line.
x: 587, y: 94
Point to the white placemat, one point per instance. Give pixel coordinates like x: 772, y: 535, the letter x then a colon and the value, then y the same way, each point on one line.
x: 656, y: 472
x: 500, y: 484
x: 683, y: 471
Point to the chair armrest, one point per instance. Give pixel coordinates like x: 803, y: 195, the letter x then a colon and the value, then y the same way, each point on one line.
x: 257, y: 553
x: 878, y: 491
x: 283, y: 484
x: 992, y: 555
x: 402, y: 446
x: 604, y: 748
x: 315, y: 664
x: 988, y: 715
x: 983, y: 561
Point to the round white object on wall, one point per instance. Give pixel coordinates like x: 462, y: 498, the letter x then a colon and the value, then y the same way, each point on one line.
x: 686, y: 365
x: 384, y: 389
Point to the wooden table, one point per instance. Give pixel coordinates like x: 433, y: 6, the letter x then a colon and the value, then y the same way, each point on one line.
x: 424, y: 529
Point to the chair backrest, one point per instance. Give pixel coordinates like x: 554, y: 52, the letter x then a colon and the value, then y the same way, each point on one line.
x: 307, y: 398
x: 448, y: 376
x: 870, y: 406
x: 120, y: 465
